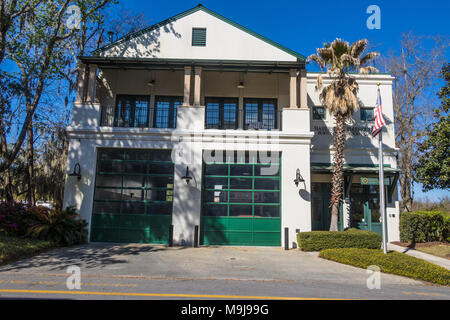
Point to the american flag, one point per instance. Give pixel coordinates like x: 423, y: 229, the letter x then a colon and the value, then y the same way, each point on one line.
x: 379, y: 120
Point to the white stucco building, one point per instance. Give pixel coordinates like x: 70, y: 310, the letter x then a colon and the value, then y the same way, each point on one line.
x: 199, y: 124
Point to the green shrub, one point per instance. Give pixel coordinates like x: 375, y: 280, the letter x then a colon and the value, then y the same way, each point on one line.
x: 64, y: 227
x: 424, y: 226
x: 14, y: 218
x: 352, y: 238
x: 394, y: 263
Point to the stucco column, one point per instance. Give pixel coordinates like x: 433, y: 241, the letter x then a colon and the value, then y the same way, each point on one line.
x: 92, y: 83
x: 303, y: 90
x: 187, y: 86
x: 293, y: 89
x: 81, y: 81
x: 198, y: 83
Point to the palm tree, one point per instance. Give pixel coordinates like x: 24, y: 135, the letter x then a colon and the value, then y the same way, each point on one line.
x: 338, y: 59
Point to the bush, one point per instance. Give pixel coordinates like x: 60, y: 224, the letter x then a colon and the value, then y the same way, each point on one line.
x: 424, y: 226
x: 64, y: 227
x: 14, y: 219
x: 352, y: 238
x: 394, y: 263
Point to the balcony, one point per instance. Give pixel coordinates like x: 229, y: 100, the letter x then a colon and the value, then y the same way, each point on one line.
x: 166, y: 118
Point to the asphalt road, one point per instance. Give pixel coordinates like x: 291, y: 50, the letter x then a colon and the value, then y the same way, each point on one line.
x: 153, y: 272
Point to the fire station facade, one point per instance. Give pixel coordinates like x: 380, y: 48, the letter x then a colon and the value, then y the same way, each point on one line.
x: 198, y: 128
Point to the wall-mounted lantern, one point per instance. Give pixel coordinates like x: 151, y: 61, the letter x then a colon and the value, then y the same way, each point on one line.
x: 76, y: 172
x: 151, y: 83
x: 187, y: 177
x: 110, y: 36
x: 298, y: 179
x: 241, y: 85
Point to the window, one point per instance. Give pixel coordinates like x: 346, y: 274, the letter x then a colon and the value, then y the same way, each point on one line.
x: 260, y: 114
x: 239, y: 189
x: 199, y: 37
x: 131, y: 111
x: 166, y: 112
x: 221, y: 113
x: 319, y: 113
x: 367, y: 114
x: 138, y: 182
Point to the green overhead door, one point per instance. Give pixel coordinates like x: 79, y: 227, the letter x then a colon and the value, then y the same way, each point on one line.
x: 241, y: 202
x: 133, y: 196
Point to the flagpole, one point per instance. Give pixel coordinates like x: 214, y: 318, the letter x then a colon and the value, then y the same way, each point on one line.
x: 382, y: 191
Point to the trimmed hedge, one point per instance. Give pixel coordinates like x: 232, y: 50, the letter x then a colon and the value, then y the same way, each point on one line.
x: 352, y: 238
x: 424, y: 226
x: 394, y: 262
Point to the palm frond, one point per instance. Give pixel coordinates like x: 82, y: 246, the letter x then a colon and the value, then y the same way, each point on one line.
x: 368, y: 58
x: 325, y: 53
x: 348, y: 60
x: 368, y: 70
x: 318, y: 60
x: 339, y: 47
x: 358, y: 48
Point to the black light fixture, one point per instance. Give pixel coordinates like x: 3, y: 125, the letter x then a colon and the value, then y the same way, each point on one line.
x: 187, y: 177
x: 110, y: 36
x: 76, y: 172
x: 241, y: 85
x: 151, y: 83
x: 298, y: 179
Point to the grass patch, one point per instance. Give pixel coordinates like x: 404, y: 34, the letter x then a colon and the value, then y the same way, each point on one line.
x: 394, y: 263
x: 439, y: 250
x: 12, y: 249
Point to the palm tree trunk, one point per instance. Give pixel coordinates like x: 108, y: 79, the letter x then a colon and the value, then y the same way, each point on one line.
x: 338, y: 171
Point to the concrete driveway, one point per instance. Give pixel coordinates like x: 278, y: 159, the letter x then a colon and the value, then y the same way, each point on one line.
x: 156, y: 272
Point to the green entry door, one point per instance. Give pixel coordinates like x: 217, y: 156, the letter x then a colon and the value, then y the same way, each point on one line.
x: 133, y: 196
x: 241, y: 202
x: 320, y: 207
x: 365, y: 208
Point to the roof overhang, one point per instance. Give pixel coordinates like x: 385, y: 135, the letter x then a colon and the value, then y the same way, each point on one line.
x: 180, y: 64
x: 354, y: 169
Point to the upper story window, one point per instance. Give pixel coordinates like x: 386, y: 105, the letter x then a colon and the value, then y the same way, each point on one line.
x: 260, y: 114
x: 199, y: 37
x: 319, y: 113
x: 367, y: 114
x: 165, y: 115
x: 221, y: 113
x: 132, y: 111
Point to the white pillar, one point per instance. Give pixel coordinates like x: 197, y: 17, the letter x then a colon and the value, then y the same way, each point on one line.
x: 293, y: 89
x: 187, y: 86
x: 303, y: 90
x: 91, y: 97
x: 81, y: 81
x: 198, y: 83
x: 187, y: 197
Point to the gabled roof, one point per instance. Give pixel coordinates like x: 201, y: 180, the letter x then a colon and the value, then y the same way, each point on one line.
x: 193, y: 10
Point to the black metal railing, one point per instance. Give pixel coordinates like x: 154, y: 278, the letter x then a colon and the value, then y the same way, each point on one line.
x: 138, y: 118
x: 164, y: 119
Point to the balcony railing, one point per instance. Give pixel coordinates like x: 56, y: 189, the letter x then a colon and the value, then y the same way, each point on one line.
x: 164, y: 119
x: 161, y: 118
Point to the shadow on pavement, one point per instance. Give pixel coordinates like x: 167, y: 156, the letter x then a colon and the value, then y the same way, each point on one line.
x: 87, y: 256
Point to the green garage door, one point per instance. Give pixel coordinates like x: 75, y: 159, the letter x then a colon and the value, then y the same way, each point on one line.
x: 241, y: 203
x: 133, y: 196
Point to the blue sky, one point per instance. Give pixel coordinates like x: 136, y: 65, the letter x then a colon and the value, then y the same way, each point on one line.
x: 304, y: 26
